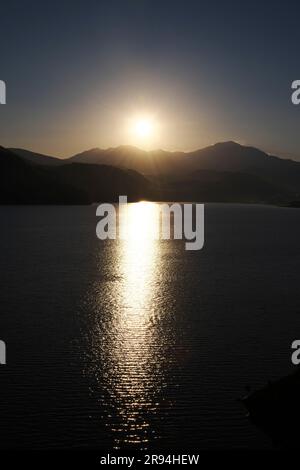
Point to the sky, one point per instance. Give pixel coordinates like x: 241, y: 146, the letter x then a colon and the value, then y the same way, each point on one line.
x: 79, y: 73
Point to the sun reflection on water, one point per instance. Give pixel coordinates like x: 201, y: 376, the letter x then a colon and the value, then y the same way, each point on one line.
x: 127, y: 340
x: 134, y: 347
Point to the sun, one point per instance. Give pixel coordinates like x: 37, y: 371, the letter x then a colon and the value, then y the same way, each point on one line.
x: 143, y: 127
x: 142, y: 130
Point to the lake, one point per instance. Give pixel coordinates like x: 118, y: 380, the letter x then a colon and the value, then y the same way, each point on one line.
x: 140, y: 344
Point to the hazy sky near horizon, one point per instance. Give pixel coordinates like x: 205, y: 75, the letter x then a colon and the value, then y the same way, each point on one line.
x: 78, y: 71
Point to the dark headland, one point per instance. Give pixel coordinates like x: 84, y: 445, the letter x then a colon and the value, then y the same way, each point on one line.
x: 275, y: 409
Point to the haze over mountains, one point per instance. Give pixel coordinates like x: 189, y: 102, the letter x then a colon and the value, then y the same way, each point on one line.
x: 222, y: 172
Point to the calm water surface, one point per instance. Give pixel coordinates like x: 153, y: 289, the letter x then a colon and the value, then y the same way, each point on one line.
x: 139, y: 344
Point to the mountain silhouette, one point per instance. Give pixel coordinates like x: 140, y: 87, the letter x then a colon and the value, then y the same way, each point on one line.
x: 38, y: 158
x: 153, y: 162
x: 225, y: 156
x: 230, y: 156
x: 104, y: 182
x: 223, y: 172
x: 224, y: 186
x: 23, y: 182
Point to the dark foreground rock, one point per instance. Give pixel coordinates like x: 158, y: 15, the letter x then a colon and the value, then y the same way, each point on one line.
x: 276, y: 410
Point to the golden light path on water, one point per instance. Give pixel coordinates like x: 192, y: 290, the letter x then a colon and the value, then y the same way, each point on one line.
x: 134, y: 347
x: 127, y: 338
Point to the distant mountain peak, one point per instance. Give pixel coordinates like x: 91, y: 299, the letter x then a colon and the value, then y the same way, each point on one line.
x: 127, y: 147
x: 92, y: 150
x: 230, y: 143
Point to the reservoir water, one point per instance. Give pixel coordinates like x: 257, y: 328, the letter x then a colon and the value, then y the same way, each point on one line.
x: 140, y: 344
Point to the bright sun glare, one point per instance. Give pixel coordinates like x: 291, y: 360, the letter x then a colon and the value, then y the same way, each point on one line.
x: 143, y: 127
x: 143, y: 130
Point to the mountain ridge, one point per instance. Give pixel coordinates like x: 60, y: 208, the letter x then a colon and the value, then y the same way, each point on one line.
x: 25, y: 182
x: 229, y: 172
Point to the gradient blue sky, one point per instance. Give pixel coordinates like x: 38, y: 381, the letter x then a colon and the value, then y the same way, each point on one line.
x: 76, y: 71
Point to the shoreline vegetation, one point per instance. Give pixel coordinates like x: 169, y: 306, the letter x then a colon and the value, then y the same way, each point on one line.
x: 223, y: 173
